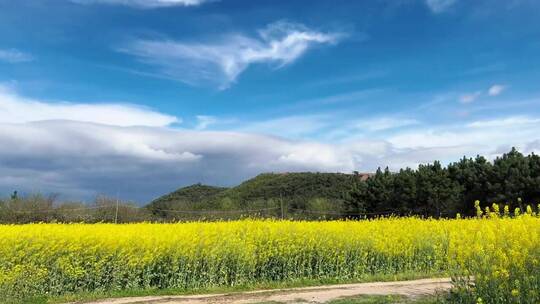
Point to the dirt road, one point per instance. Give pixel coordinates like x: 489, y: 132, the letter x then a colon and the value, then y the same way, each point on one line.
x: 317, y: 294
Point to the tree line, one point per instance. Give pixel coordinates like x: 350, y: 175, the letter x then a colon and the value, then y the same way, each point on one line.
x: 38, y: 208
x: 435, y: 190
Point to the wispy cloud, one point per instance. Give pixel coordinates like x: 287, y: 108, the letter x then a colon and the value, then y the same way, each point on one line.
x: 385, y: 123
x: 204, y: 121
x: 221, y: 61
x: 145, y: 3
x: 470, y: 97
x: 519, y: 105
x: 357, y: 97
x: 496, y: 89
x: 504, y: 122
x: 17, y: 109
x: 439, y: 6
x: 288, y: 126
x: 482, y: 135
x: 14, y: 56
x: 485, y: 69
x: 323, y: 126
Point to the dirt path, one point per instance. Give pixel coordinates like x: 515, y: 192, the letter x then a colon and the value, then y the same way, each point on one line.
x: 317, y: 294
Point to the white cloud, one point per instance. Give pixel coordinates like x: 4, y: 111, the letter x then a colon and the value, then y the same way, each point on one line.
x: 504, y: 122
x: 14, y: 56
x: 289, y: 126
x: 534, y: 147
x: 323, y: 126
x: 70, y: 138
x: 84, y: 159
x: 439, y: 6
x: 308, y: 153
x: 496, y: 89
x: 144, y: 3
x: 470, y: 97
x: 204, y: 121
x: 385, y: 123
x: 110, y: 155
x: 17, y: 109
x: 482, y: 135
x: 221, y: 61
x: 143, y: 162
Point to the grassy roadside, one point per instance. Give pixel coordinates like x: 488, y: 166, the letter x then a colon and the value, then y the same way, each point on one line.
x: 93, y: 296
x: 387, y: 300
x: 377, y: 299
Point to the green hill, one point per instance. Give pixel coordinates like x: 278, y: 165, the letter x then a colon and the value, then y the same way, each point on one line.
x: 194, y: 197
x: 298, y: 191
x: 293, y: 187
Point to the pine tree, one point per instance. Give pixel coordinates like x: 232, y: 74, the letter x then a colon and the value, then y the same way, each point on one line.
x: 355, y: 202
x: 379, y: 191
x: 438, y: 195
x: 511, y: 175
x: 474, y: 177
x: 404, y: 192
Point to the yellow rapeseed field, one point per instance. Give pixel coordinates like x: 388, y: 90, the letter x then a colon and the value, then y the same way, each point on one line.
x: 501, y: 253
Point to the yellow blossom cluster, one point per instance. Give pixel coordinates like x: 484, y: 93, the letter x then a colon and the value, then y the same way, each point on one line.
x: 492, y: 257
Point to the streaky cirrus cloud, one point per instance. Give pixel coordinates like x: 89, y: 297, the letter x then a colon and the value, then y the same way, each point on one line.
x: 385, y: 123
x: 220, y: 61
x: 14, y: 56
x: 470, y: 97
x: 294, y: 126
x: 511, y: 121
x: 439, y: 6
x: 17, y: 109
x: 145, y: 3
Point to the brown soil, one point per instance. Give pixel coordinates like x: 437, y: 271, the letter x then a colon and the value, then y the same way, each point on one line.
x: 317, y: 294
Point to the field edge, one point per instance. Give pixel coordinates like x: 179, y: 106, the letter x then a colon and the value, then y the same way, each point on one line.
x: 86, y: 297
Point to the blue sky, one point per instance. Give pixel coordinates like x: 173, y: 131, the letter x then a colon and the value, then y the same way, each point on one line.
x: 138, y: 97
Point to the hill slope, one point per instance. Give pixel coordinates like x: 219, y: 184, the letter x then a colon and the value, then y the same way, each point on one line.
x: 293, y: 187
x: 298, y: 190
x: 194, y: 197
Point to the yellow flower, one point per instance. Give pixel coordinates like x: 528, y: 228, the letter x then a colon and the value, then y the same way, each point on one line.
x: 37, y: 259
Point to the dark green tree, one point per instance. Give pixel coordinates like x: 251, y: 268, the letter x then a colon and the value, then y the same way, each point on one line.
x: 533, y: 185
x: 474, y: 176
x: 510, y: 177
x: 403, y: 200
x: 379, y: 192
x: 437, y: 194
x: 355, y: 202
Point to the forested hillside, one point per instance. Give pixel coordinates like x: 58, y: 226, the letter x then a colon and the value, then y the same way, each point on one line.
x: 268, y: 193
x: 194, y: 197
x: 434, y: 190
